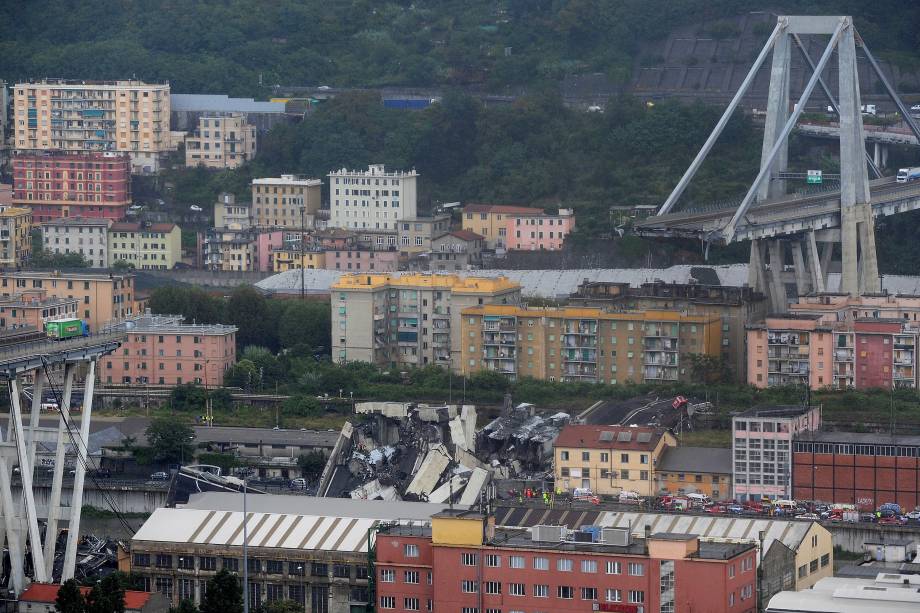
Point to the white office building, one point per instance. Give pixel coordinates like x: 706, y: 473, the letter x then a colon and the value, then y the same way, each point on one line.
x: 371, y: 199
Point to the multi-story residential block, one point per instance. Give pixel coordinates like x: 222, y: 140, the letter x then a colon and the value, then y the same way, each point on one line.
x: 288, y: 201
x: 230, y: 250
x: 334, y: 238
x: 221, y: 141
x: 585, y: 344
x: 863, y: 469
x: 56, y: 184
x: 269, y: 242
x: 6, y: 194
x: 33, y: 307
x: 411, y: 319
x: 230, y: 214
x: 162, y: 350
x: 539, y: 232
x: 15, y: 236
x: 416, y: 234
x: 703, y: 470
x: 737, y: 307
x: 75, y: 116
x: 145, y: 246
x: 86, y: 236
x: 294, y: 259
x: 761, y: 444
x: 608, y: 460
x: 491, y: 221
x: 361, y: 260
x: 474, y: 566
x: 791, y: 350
x: 102, y: 298
x: 371, y: 199
x: 453, y: 252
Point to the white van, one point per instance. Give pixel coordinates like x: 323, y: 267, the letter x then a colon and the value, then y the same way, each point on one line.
x: 582, y: 492
x: 627, y: 496
x: 701, y: 500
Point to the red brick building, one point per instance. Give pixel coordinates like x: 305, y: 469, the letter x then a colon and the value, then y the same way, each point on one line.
x: 462, y: 564
x: 865, y: 469
x: 57, y: 184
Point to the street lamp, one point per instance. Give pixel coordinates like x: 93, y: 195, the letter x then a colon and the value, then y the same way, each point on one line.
x: 245, y: 553
x: 303, y: 266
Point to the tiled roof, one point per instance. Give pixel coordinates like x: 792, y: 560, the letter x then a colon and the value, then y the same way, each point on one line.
x: 609, y: 437
x: 47, y: 592
x: 502, y: 208
x: 467, y: 235
x: 124, y: 226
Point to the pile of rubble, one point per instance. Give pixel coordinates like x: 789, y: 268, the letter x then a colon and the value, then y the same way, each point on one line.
x: 420, y: 452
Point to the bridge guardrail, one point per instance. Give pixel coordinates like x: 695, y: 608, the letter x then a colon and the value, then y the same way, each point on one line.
x: 54, y: 346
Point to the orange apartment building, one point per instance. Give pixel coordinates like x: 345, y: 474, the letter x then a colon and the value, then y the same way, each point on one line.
x: 34, y: 308
x: 161, y: 350
x: 101, y: 298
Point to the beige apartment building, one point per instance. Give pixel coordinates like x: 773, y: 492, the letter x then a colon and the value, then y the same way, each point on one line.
x: 585, y: 344
x: 101, y: 298
x: 608, y: 460
x: 230, y: 250
x: 221, y: 141
x: 15, y: 236
x: 411, y: 319
x: 145, y: 246
x: 277, y: 202
x: 230, y: 214
x: 124, y: 116
x: 83, y: 235
x: 416, y: 233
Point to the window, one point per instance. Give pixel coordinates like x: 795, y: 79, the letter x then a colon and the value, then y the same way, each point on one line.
x: 825, y: 560
x: 566, y: 592
x: 585, y: 456
x: 493, y: 587
x: 319, y: 569
x: 589, y: 566
x: 624, y: 458
x: 493, y: 561
x: 564, y: 565
x: 274, y: 567
x: 731, y: 571
x: 410, y: 604
x: 468, y: 559
x: 388, y: 602
x: 411, y: 551
x: 747, y: 591
x: 387, y: 575
x: 517, y: 589
x: 186, y: 562
x: 142, y: 559
x: 469, y: 587
x: 803, y: 571
x: 589, y: 593
x: 541, y: 563
x: 516, y: 561
x: 410, y: 576
x: 636, y: 596
x: 747, y: 563
x: 614, y: 568
x: 231, y: 564
x: 813, y: 565
x: 636, y: 569
x: 563, y: 455
x: 163, y: 560
x: 469, y: 610
x: 540, y: 591
x: 614, y: 595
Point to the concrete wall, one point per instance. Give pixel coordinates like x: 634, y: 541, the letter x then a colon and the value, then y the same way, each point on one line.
x: 128, y: 500
x: 211, y: 278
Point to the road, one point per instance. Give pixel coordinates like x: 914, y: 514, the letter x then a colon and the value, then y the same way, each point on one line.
x: 642, y: 411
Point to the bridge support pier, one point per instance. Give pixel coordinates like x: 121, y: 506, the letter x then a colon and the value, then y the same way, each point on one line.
x: 880, y: 154
x: 771, y: 274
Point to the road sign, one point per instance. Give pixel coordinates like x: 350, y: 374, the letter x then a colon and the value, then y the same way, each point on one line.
x: 814, y: 176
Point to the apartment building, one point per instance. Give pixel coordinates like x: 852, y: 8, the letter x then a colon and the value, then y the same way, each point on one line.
x: 101, y: 298
x: 221, y: 141
x: 83, y: 235
x: 411, y: 319
x: 230, y: 214
x: 33, y: 307
x: 230, y: 250
x: 585, y: 344
x: 541, y: 232
x: 491, y: 221
x: 762, y: 444
x: 371, y: 199
x: 162, y: 350
x: 455, y: 251
x: 361, y: 260
x: 293, y: 259
x: 15, y: 236
x: 416, y: 234
x: 791, y: 350
x: 608, y: 460
x: 145, y: 246
x: 288, y: 201
x: 75, y: 116
x: 58, y: 184
x: 464, y: 563
x: 702, y: 470
x: 736, y: 307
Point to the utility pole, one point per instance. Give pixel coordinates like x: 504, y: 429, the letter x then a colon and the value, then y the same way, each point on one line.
x: 303, y: 273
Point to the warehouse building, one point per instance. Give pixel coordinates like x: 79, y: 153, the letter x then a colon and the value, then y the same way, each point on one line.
x: 313, y: 551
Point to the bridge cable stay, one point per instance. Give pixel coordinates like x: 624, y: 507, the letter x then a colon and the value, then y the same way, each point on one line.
x: 902, y: 108
x: 830, y: 97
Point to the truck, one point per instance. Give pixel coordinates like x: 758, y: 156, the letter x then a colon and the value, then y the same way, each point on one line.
x: 60, y: 329
x: 906, y: 175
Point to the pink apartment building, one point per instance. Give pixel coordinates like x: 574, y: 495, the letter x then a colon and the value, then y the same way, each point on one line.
x: 265, y: 243
x: 33, y: 307
x: 791, y: 350
x: 538, y: 232
x: 362, y: 260
x: 161, y: 350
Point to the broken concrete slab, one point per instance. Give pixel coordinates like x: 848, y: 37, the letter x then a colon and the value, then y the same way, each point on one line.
x: 430, y: 471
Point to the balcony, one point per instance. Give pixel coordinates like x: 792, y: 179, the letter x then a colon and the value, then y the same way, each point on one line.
x: 576, y: 341
x: 659, y: 373
x: 659, y: 343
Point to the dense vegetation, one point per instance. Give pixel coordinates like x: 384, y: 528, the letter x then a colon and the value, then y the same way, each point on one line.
x: 228, y: 46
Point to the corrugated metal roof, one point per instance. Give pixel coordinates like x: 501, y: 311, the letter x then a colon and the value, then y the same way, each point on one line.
x: 309, y: 505
x: 222, y: 103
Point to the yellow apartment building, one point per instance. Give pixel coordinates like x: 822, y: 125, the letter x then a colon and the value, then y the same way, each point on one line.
x: 292, y: 259
x: 610, y: 459
x: 584, y: 344
x: 145, y: 246
x: 277, y: 201
x: 101, y: 298
x: 125, y: 116
x: 410, y: 319
x: 15, y: 236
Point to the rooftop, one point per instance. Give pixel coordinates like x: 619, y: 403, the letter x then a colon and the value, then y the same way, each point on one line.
x: 455, y: 283
x: 230, y: 434
x: 652, y: 315
x: 12, y: 211
x: 79, y: 84
x: 288, y: 180
x: 47, y: 593
x: 331, y: 507
x: 374, y: 170
x: 77, y: 221
x: 172, y: 324
x: 696, y: 460
x: 889, y: 592
x: 221, y: 102
x: 506, y: 209
x: 65, y: 276
x: 787, y: 410
x: 124, y: 226
x: 859, y: 438
x: 466, y: 235
x: 609, y: 437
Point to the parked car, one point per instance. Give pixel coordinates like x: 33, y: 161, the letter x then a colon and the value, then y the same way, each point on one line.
x: 914, y: 515
x: 811, y: 516
x: 298, y: 484
x: 869, y: 517
x: 715, y: 509
x: 159, y: 476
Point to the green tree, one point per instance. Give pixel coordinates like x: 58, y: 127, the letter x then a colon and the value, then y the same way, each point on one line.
x: 248, y: 310
x: 311, y: 464
x: 108, y: 595
x: 69, y: 598
x: 193, y: 303
x: 185, y: 606
x: 305, y: 323
x: 282, y: 606
x: 170, y: 440
x: 244, y: 374
x: 224, y: 594
x: 709, y: 368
